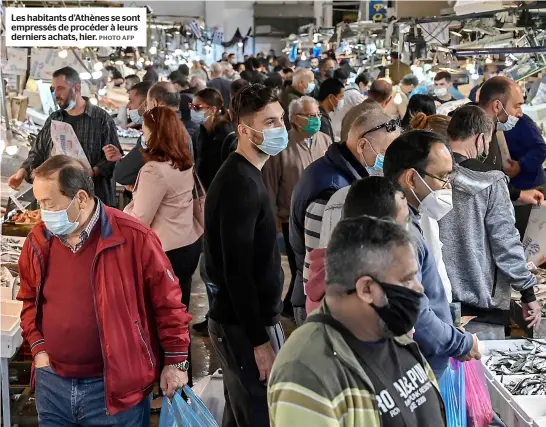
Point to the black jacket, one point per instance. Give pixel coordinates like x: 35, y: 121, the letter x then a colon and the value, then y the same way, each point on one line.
x: 208, y: 148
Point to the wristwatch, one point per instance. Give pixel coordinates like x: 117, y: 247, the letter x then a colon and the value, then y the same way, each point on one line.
x: 182, y: 366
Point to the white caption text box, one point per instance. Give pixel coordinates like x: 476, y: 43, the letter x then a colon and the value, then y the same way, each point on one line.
x: 78, y: 27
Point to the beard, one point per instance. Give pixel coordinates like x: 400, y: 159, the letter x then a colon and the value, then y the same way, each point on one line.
x: 71, y: 96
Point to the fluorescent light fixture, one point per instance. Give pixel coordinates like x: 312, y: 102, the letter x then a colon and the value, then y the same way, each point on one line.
x: 98, y: 66
x: 96, y: 74
x: 85, y: 75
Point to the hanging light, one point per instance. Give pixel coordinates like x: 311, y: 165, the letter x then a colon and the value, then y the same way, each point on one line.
x: 85, y: 75
x: 178, y: 52
x: 98, y: 66
x: 153, y: 50
x: 96, y: 74
x: 141, y: 59
x: 146, y: 63
x: 131, y: 62
x: 63, y: 53
x: 240, y: 44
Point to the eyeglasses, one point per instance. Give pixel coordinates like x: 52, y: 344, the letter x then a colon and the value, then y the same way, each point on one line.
x: 198, y: 107
x: 310, y: 116
x: 389, y: 126
x: 446, y: 182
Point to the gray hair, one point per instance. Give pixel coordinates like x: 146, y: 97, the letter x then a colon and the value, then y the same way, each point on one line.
x: 297, y: 105
x: 217, y: 69
x: 72, y: 177
x: 300, y: 73
x: 468, y: 121
x: 369, y: 119
x: 360, y: 247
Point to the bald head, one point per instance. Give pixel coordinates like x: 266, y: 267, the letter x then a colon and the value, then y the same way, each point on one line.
x: 501, y: 97
x: 163, y: 94
x: 216, y: 70
x: 380, y: 92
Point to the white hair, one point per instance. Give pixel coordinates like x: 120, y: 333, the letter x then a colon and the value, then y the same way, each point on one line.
x: 297, y: 105
x: 300, y: 73
x: 217, y: 69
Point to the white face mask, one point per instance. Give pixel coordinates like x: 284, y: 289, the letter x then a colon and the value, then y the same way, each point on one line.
x: 437, y: 204
x: 508, y: 124
x: 440, y: 91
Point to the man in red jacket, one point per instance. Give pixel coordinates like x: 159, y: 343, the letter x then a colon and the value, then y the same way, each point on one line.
x: 99, y: 299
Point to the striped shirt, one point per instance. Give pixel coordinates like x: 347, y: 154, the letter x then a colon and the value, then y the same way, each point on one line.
x: 312, y: 227
x: 86, y: 232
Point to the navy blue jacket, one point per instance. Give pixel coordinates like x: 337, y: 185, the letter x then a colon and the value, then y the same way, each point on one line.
x: 526, y: 145
x: 438, y: 339
x: 320, y: 180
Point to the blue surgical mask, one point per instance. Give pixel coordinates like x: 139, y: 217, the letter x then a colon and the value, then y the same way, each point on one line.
x: 377, y: 168
x: 275, y: 140
x: 135, y: 117
x: 70, y: 105
x: 508, y: 124
x: 271, y: 68
x: 310, y: 87
x: 198, y: 117
x: 57, y: 221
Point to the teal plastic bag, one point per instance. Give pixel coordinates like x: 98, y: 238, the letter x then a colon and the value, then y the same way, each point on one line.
x: 179, y: 413
x: 452, y: 389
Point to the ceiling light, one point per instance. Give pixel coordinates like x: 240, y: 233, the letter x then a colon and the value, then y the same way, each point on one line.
x: 63, y: 53
x: 85, y: 75
x: 153, y: 50
x: 98, y: 66
x: 96, y: 74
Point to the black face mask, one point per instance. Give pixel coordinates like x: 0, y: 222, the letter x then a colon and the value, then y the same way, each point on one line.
x: 329, y: 74
x: 402, y: 309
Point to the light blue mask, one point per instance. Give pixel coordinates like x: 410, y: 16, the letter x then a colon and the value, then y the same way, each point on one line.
x: 135, y: 117
x: 377, y: 168
x: 275, y: 140
x: 271, y: 68
x: 70, y: 105
x: 198, y: 117
x: 310, y: 87
x: 57, y: 221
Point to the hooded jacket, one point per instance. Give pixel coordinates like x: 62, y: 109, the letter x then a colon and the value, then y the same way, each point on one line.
x: 482, y: 251
x: 137, y: 300
x: 320, y: 180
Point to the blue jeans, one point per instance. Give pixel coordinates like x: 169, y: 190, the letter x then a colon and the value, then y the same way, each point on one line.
x: 70, y: 402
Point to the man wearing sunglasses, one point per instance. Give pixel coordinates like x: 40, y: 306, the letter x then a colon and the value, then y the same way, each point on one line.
x: 421, y: 163
x: 342, y: 164
x: 482, y: 222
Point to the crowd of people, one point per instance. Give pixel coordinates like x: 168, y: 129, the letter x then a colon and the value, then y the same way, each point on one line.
x: 392, y: 216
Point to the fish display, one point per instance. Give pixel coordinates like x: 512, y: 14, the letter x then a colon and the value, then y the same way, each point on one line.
x: 529, y: 358
x: 528, y: 386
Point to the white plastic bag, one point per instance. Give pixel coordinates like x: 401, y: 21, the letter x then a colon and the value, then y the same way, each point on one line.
x: 211, y: 391
x: 534, y: 242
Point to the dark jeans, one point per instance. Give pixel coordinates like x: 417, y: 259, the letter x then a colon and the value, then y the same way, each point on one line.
x: 184, y: 261
x: 246, y: 395
x: 69, y: 403
x: 210, y: 287
x: 293, y: 268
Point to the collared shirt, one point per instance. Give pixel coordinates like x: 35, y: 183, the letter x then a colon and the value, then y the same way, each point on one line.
x: 86, y: 232
x: 95, y: 129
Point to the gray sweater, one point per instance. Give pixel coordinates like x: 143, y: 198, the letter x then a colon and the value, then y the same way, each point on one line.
x: 482, y: 249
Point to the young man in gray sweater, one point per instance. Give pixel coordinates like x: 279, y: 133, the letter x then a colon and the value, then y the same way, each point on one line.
x: 482, y: 251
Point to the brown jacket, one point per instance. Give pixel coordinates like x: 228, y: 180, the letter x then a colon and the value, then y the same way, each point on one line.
x: 353, y: 114
x: 282, y: 172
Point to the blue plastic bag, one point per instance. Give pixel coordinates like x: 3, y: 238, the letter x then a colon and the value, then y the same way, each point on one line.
x: 179, y: 413
x: 452, y: 389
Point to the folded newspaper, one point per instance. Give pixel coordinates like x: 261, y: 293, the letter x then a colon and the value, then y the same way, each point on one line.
x: 66, y: 142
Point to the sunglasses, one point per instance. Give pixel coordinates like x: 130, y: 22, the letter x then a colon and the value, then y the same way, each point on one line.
x: 389, y: 126
x: 197, y: 107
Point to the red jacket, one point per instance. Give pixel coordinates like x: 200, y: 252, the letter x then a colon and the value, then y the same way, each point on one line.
x: 315, y: 286
x: 137, y: 301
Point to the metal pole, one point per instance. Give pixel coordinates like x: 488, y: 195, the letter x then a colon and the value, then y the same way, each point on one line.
x: 3, y: 101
